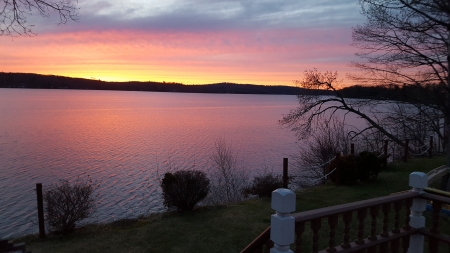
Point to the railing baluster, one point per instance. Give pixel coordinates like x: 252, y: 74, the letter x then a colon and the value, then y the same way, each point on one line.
x: 405, y: 244
x: 437, y: 206
x: 384, y: 247
x: 332, y: 222
x: 408, y: 204
x: 395, y: 245
x: 397, y: 207
x: 433, y: 244
x: 315, y: 226
x: 373, y: 227
x: 373, y: 224
x: 418, y: 181
x: 260, y: 249
x: 372, y: 249
x: 269, y: 245
x: 385, y: 209
x: 299, y: 229
x: 347, y: 219
x: 362, y: 213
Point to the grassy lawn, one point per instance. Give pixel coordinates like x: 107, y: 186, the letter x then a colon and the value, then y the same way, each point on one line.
x: 218, y: 228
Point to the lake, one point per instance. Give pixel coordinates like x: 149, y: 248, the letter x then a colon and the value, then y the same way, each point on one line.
x: 125, y: 140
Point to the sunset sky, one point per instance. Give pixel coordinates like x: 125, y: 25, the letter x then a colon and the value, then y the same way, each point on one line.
x: 267, y: 42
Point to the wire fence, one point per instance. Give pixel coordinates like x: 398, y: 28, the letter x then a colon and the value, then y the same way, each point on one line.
x: 390, y: 151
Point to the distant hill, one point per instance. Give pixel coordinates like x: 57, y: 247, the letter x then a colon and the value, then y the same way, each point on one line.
x: 380, y: 92
x: 36, y: 81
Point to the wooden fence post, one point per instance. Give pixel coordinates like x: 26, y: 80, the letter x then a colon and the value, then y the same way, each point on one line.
x: 40, y: 204
x: 385, y: 149
x: 439, y: 143
x: 282, y: 224
x: 418, y: 181
x: 430, y: 149
x: 405, y: 155
x: 445, y: 140
x: 285, y: 173
x: 338, y: 170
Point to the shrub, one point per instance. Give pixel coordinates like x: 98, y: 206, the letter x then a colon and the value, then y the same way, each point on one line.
x: 346, y: 172
x: 264, y: 185
x: 369, y: 165
x: 184, y: 189
x: 67, y: 204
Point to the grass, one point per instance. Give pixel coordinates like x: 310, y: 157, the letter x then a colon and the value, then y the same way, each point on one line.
x: 227, y: 228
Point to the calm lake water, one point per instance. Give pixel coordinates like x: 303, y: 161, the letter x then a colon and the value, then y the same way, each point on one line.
x: 125, y: 140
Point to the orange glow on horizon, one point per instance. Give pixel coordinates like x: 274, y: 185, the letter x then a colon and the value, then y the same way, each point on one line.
x: 233, y: 56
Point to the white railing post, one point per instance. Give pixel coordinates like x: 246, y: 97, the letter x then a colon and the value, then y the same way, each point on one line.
x: 282, y: 224
x: 418, y: 181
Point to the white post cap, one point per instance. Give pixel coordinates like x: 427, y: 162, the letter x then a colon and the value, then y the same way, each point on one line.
x: 418, y: 180
x: 283, y: 200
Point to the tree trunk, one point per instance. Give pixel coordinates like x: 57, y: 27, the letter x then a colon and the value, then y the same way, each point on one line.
x: 447, y: 108
x: 446, y: 137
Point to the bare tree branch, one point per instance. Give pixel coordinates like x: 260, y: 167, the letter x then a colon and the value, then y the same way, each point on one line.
x: 403, y: 42
x: 407, y: 43
x: 314, y: 108
x: 13, y: 14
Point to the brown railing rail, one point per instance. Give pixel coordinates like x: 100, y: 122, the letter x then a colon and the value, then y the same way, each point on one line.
x: 366, y: 236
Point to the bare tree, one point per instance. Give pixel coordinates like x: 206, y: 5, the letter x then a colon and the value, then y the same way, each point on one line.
x: 316, y: 108
x: 228, y: 179
x: 13, y: 14
x: 404, y: 44
x: 416, y: 122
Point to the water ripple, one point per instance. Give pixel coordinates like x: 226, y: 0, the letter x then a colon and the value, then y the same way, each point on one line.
x: 126, y: 146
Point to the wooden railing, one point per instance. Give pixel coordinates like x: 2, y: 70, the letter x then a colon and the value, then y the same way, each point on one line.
x: 433, y: 233
x: 375, y: 225
x: 440, y: 175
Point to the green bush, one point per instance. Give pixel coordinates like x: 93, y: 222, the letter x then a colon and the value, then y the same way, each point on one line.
x: 369, y: 165
x: 66, y: 204
x: 346, y: 172
x: 183, y: 189
x: 264, y: 185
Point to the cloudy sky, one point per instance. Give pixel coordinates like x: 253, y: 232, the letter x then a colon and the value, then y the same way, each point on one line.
x: 190, y: 41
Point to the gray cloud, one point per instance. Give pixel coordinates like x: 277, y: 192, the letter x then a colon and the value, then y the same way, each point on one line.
x: 204, y: 15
